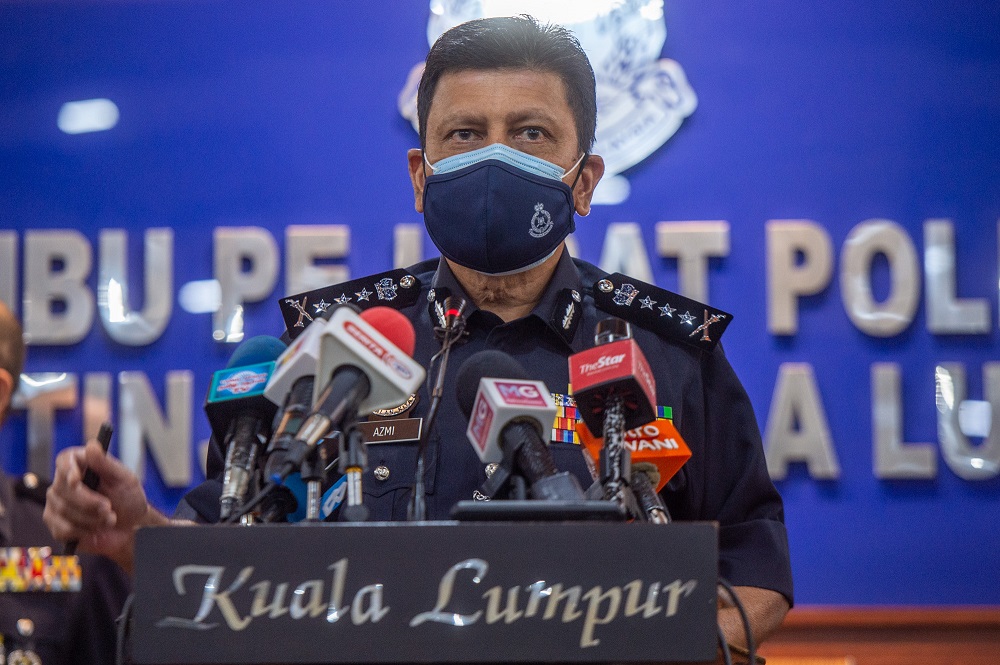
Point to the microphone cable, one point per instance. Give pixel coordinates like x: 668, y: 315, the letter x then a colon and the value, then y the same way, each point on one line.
x: 123, y: 621
x: 747, y: 630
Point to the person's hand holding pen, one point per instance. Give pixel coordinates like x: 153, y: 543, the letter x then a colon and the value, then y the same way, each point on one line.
x: 103, y: 518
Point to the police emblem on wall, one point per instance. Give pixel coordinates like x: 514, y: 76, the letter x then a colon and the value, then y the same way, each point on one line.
x: 642, y: 99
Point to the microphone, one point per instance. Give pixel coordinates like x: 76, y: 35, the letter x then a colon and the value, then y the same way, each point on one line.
x: 649, y: 501
x: 450, y: 316
x: 657, y: 444
x: 240, y: 414
x: 298, y: 360
x: 291, y: 506
x: 614, y: 391
x: 507, y: 419
x: 616, y: 367
x: 281, y: 500
x: 367, y: 359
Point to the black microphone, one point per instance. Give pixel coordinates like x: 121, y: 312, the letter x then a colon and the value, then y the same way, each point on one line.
x: 507, y: 419
x: 281, y: 501
x: 240, y: 414
x: 643, y: 487
x: 450, y: 315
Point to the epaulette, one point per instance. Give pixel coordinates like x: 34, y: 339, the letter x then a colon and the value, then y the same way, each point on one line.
x: 668, y: 314
x: 29, y: 486
x: 395, y: 288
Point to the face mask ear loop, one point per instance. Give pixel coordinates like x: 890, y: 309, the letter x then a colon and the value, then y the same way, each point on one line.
x: 423, y: 158
x: 583, y: 162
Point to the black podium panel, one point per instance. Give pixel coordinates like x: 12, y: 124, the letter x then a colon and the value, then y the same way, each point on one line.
x: 439, y: 592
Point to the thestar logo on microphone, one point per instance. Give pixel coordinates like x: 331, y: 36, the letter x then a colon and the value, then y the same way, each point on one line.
x: 604, y: 362
x: 377, y: 350
x: 519, y: 393
x: 482, y: 419
x: 610, y: 363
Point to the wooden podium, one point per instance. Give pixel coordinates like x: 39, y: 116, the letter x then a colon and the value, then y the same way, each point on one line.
x: 441, y: 592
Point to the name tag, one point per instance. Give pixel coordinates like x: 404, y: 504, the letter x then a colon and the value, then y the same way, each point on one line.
x: 392, y: 431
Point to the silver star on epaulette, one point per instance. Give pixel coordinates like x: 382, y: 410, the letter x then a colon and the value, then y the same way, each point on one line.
x: 321, y: 306
x: 667, y: 310
x: 343, y: 299
x: 647, y: 303
x: 364, y: 294
x: 687, y: 318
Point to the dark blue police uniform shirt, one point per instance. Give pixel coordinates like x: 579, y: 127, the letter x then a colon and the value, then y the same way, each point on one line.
x: 725, y: 480
x: 66, y: 627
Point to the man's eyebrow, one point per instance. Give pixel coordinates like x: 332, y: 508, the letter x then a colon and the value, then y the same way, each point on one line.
x: 539, y: 115
x: 460, y: 117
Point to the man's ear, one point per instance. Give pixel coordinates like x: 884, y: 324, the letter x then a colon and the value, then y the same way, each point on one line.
x: 583, y: 192
x: 415, y: 157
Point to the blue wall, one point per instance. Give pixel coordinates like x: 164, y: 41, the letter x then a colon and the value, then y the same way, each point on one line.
x: 249, y: 114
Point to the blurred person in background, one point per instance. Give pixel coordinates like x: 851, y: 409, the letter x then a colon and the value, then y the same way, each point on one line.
x: 45, y: 626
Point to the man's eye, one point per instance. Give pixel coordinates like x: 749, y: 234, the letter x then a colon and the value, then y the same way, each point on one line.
x: 463, y: 134
x: 532, y: 134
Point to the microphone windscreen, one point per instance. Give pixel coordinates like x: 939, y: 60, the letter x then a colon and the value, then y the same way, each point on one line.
x: 490, y: 363
x: 394, y: 326
x: 256, y: 350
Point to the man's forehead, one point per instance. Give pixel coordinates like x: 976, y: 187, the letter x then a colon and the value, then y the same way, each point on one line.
x: 458, y: 92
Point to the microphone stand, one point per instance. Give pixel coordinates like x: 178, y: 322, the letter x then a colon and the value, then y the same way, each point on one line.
x: 353, y: 462
x: 313, y: 472
x: 452, y: 329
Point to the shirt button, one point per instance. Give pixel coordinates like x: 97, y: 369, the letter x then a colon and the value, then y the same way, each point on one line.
x: 382, y: 472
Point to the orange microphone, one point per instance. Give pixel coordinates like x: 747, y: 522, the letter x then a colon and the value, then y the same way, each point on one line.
x: 657, y: 443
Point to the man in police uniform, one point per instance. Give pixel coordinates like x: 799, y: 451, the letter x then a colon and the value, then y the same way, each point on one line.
x: 45, y: 625
x: 507, y: 112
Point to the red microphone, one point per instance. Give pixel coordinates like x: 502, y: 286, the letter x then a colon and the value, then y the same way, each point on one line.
x: 614, y: 391
x: 616, y: 367
x: 393, y: 325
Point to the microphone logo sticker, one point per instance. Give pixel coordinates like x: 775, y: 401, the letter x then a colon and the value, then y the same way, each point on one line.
x: 241, y: 382
x: 377, y: 350
x: 520, y: 394
x: 482, y: 419
x: 602, y: 363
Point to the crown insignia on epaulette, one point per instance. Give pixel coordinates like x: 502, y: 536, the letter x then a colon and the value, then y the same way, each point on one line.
x: 395, y: 288
x: 668, y: 314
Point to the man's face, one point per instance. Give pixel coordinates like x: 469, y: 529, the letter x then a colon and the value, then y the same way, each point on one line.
x: 521, y: 108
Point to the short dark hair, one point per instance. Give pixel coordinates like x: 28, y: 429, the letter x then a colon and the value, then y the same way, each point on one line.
x: 514, y: 42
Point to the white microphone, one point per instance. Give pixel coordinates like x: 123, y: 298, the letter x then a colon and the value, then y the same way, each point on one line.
x: 299, y: 359
x: 360, y: 368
